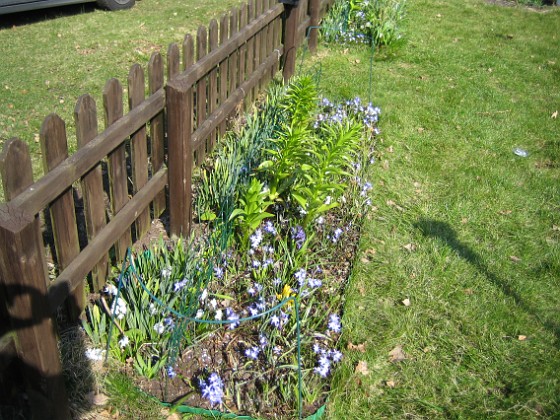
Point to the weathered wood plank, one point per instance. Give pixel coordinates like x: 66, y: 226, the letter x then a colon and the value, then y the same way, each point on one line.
x: 188, y: 51
x: 70, y: 277
x: 258, y: 45
x: 201, y: 92
x: 224, y: 71
x: 173, y: 61
x: 23, y: 274
x: 233, y: 100
x: 118, y: 176
x: 85, y: 117
x: 36, y: 197
x: 54, y: 150
x: 235, y: 59
x: 203, y: 66
x: 157, y: 127
x: 212, y: 79
x: 138, y: 146
x: 250, y: 59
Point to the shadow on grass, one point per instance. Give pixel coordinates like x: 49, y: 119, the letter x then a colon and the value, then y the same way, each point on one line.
x: 447, y: 235
x: 30, y: 17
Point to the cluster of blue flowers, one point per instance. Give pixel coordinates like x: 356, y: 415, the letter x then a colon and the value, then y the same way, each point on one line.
x: 339, y: 112
x: 212, y: 389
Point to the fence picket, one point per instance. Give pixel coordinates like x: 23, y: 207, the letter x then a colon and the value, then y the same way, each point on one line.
x: 138, y: 146
x: 250, y: 58
x: 54, y: 149
x: 201, y: 90
x: 118, y: 177
x: 235, y: 63
x: 85, y: 116
x: 212, y: 79
x: 157, y: 133
x: 224, y: 71
x: 23, y: 274
x: 173, y: 60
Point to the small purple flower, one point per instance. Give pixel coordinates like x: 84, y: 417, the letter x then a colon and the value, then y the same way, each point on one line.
x: 324, y: 366
x: 256, y: 238
x: 334, y: 323
x: 298, y: 235
x: 275, y: 321
x: 212, y: 389
x: 300, y: 276
x: 263, y: 341
x: 180, y: 285
x: 219, y: 272
x: 171, y: 372
x: 336, y: 235
x: 232, y: 316
x: 335, y: 355
x: 253, y: 352
x: 314, y: 283
x: 269, y: 228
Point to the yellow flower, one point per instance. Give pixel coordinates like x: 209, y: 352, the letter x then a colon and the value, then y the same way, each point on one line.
x: 286, y: 293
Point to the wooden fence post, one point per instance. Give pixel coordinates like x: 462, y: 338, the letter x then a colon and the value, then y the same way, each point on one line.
x: 290, y: 39
x: 23, y: 273
x: 314, y: 11
x: 179, y: 101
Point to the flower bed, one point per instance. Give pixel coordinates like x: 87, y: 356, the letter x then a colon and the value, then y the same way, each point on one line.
x: 245, y: 316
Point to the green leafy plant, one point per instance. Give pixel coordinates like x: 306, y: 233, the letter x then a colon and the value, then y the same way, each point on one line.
x: 252, y: 212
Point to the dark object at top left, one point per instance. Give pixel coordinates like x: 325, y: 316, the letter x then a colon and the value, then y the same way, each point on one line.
x: 13, y: 6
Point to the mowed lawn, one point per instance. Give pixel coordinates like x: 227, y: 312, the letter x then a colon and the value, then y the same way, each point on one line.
x: 50, y: 57
x: 453, y: 308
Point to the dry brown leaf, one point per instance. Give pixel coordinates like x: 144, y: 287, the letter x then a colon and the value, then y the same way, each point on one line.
x: 390, y: 149
x: 514, y: 258
x: 522, y: 337
x: 97, y: 399
x: 420, y: 130
x: 362, y: 368
x: 468, y: 291
x: 173, y: 416
x: 390, y: 383
x: 556, y: 228
x: 406, y: 302
x: 385, y: 164
x: 464, y: 220
x: 362, y: 290
x: 554, y: 115
x: 397, y: 355
x: 438, y: 15
x: 357, y: 347
x: 410, y: 247
x: 504, y: 212
x: 390, y: 203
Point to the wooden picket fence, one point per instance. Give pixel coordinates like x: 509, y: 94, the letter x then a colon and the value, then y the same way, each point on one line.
x: 89, y: 207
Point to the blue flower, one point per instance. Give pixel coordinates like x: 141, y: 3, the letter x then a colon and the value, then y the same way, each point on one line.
x: 218, y: 272
x: 253, y: 352
x: 256, y: 238
x: 334, y: 323
x: 180, y: 285
x: 300, y: 276
x: 269, y: 228
x: 298, y: 235
x: 212, y: 389
x: 171, y: 372
x: 232, y: 316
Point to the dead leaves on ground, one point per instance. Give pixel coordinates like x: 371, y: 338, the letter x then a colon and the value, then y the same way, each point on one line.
x: 362, y: 368
x: 397, y: 355
x: 356, y: 347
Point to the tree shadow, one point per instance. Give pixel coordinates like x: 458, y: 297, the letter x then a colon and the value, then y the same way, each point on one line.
x: 447, y: 235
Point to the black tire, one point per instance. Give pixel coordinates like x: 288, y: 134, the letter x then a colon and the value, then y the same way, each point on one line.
x: 116, y: 4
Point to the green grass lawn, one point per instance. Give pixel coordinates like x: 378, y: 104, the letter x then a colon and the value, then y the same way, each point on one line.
x: 50, y: 57
x: 464, y: 229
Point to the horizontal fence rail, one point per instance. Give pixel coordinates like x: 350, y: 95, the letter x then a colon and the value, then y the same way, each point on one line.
x: 76, y: 221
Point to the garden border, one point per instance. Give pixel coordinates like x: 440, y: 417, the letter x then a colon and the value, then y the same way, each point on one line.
x: 126, y: 166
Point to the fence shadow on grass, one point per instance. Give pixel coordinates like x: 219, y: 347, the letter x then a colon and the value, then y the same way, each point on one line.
x: 446, y: 234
